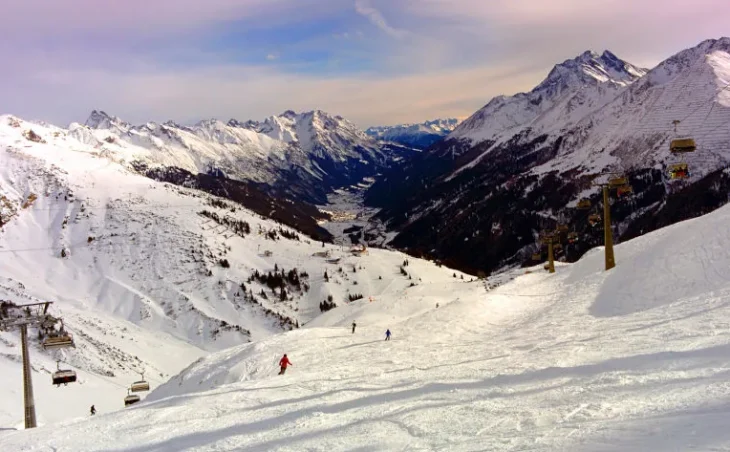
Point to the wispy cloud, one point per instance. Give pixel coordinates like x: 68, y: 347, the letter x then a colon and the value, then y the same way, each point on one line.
x: 364, y: 8
x: 272, y: 56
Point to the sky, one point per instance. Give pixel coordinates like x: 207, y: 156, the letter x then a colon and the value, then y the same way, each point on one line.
x: 375, y: 62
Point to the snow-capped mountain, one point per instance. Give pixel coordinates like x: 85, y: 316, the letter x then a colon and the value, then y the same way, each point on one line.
x: 571, y: 90
x: 148, y: 276
x: 302, y: 155
x: 520, y: 164
x: 419, y: 136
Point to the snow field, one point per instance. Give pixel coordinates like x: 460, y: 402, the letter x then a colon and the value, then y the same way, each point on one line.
x: 633, y: 359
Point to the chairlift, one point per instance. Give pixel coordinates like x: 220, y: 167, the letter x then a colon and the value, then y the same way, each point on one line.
x: 624, y: 190
x: 131, y: 399
x: 682, y: 145
x: 616, y: 182
x: 572, y: 237
x: 594, y: 219
x: 141, y: 385
x: 59, y: 339
x: 536, y: 257
x: 679, y: 171
x: 563, y: 228
x: 63, y: 376
x: 584, y: 204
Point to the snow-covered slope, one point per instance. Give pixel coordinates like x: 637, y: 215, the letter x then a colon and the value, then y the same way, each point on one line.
x: 419, y: 136
x: 635, y: 128
x: 146, y: 274
x: 634, y: 359
x: 311, y: 148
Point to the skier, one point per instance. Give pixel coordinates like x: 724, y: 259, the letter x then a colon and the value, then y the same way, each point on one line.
x: 93, y: 410
x: 283, y: 363
x: 387, y: 335
x: 353, y: 327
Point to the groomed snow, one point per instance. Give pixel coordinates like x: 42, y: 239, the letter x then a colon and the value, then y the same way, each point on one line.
x: 634, y: 359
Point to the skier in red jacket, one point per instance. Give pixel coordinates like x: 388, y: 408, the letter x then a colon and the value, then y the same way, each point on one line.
x: 283, y: 363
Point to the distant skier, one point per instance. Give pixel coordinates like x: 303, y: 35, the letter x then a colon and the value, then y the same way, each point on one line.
x: 387, y: 335
x: 284, y: 362
x: 93, y: 410
x: 353, y: 327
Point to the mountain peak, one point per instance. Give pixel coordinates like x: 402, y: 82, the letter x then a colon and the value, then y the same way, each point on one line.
x: 99, y: 119
x: 588, y: 55
x: 590, y: 68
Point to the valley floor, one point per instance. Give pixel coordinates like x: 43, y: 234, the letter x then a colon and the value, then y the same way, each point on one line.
x: 634, y: 359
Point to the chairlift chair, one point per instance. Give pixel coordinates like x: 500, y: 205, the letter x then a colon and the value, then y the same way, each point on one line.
x: 59, y: 341
x: 536, y: 257
x: 131, y: 399
x: 679, y: 171
x: 624, y: 190
x: 562, y: 228
x: 139, y: 386
x: 64, y: 377
x: 572, y: 237
x: 594, y: 219
x: 682, y: 145
x: 584, y: 204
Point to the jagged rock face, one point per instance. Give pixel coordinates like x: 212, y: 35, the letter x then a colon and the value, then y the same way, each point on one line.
x: 519, y: 165
x: 419, y: 136
x: 304, y: 156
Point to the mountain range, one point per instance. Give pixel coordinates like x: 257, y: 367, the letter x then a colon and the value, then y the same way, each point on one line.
x: 519, y: 165
x: 301, y: 156
x: 419, y: 136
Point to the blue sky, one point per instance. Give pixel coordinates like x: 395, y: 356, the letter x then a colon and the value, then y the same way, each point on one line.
x: 372, y: 61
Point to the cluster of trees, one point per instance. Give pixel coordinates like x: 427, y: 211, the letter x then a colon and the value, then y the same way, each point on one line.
x: 215, y: 202
x: 239, y: 227
x: 281, y: 279
x: 273, y: 234
x: 327, y: 304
